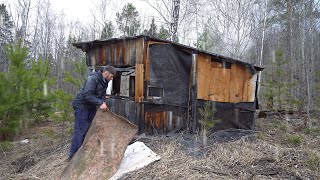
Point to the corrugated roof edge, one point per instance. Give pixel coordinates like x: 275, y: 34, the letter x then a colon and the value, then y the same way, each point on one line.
x: 84, y: 45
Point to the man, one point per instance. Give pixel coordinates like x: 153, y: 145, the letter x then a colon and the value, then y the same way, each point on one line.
x: 91, y: 96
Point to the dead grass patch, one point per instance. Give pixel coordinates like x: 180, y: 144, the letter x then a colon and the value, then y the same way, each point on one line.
x: 266, y: 154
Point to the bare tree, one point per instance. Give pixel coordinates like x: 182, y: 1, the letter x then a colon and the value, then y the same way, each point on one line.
x: 234, y: 20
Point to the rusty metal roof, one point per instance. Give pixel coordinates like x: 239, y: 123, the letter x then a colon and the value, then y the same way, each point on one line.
x: 84, y: 46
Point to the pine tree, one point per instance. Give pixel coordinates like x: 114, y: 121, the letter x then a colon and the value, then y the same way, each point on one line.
x: 24, y: 92
x: 153, y: 29
x: 163, y: 33
x: 107, y: 31
x: 128, y: 20
x: 6, y: 36
x: 63, y: 100
x: 207, y: 119
x: 276, y: 88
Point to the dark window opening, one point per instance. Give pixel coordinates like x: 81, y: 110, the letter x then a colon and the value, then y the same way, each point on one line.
x: 155, y: 91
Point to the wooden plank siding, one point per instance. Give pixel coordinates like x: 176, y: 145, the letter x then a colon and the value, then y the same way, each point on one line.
x: 249, y: 91
x: 238, y: 75
x: 139, y: 50
x: 101, y: 56
x: 162, y: 122
x: 123, y: 53
x: 222, y: 84
x: 203, y: 73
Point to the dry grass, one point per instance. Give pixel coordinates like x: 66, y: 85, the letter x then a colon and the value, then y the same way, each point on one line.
x: 240, y: 159
x: 43, y: 158
x: 267, y: 154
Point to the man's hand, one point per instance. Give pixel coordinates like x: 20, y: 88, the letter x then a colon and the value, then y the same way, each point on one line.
x: 104, y: 106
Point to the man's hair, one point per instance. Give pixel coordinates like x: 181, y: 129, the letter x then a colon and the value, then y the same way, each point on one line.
x: 110, y: 69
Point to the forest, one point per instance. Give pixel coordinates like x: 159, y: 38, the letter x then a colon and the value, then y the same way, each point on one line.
x: 41, y: 71
x: 40, y: 68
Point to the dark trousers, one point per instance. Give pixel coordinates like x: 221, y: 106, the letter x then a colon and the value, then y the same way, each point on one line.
x: 83, y: 120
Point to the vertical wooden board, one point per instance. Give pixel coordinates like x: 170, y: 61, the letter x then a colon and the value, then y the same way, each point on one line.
x: 165, y: 121
x: 249, y: 90
x: 92, y: 57
x: 237, y: 80
x: 107, y: 54
x: 146, y: 61
x: 147, y: 118
x: 123, y: 52
x: 126, y: 55
x: 129, y: 56
x: 101, y: 56
x: 246, y: 86
x: 139, y: 50
x: 158, y: 120
x: 133, y: 50
x: 220, y: 84
x: 119, y: 51
x: 139, y: 82
x: 203, y: 75
x: 112, y: 53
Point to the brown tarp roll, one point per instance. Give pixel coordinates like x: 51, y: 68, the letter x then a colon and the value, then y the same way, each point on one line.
x: 103, y: 148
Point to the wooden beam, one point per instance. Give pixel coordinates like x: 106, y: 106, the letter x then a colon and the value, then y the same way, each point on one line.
x: 194, y: 124
x: 139, y: 74
x: 204, y: 79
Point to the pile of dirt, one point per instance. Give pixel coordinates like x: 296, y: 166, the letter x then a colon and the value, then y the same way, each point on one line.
x: 275, y: 151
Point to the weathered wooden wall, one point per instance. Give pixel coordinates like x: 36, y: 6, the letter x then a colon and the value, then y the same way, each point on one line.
x: 162, y: 122
x: 218, y: 82
x: 121, y: 53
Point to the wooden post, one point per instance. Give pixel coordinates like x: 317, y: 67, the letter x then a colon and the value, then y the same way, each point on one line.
x: 139, y: 83
x: 194, y: 124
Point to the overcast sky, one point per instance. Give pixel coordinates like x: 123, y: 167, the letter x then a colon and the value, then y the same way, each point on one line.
x: 82, y: 9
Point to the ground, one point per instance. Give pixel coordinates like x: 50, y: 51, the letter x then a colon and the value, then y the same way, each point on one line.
x: 279, y: 148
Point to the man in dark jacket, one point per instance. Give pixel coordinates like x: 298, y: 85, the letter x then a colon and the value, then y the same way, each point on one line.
x: 91, y: 96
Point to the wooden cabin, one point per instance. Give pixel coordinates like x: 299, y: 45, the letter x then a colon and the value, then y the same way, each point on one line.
x: 161, y: 84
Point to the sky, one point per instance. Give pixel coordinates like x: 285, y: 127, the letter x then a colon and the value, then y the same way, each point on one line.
x: 82, y: 9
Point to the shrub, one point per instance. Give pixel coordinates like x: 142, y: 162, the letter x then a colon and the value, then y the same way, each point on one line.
x: 294, y: 139
x: 207, y: 120
x: 313, y: 162
x: 24, y: 95
x: 6, y: 145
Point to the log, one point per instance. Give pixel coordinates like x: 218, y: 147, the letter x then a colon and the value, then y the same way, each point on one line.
x: 103, y: 148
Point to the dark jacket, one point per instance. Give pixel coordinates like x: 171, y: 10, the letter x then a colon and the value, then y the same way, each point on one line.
x: 92, y: 93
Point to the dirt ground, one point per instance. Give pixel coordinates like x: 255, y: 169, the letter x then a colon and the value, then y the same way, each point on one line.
x: 278, y: 149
